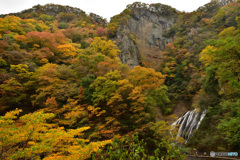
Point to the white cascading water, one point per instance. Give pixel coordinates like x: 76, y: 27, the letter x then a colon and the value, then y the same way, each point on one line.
x: 188, y: 122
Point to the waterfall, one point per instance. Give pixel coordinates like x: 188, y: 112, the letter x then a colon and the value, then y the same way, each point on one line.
x: 189, y: 122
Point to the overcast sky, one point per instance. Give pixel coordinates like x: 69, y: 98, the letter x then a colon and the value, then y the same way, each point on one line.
x: 104, y: 8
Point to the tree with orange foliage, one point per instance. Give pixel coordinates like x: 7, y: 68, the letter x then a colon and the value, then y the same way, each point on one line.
x: 45, y: 39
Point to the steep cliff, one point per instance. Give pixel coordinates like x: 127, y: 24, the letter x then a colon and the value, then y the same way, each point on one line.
x: 143, y: 30
x: 141, y: 36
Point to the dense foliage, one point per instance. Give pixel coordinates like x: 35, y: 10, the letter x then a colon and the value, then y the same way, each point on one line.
x: 66, y: 95
x: 73, y: 93
x: 202, y: 65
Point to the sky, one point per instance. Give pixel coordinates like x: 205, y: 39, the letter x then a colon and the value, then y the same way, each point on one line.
x: 104, y: 8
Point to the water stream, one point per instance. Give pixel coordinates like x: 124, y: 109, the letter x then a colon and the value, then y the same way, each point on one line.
x: 188, y: 122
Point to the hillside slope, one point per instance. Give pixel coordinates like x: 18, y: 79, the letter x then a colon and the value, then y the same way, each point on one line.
x: 174, y: 43
x: 67, y: 88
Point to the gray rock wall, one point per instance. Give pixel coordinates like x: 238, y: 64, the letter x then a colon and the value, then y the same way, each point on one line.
x: 141, y: 38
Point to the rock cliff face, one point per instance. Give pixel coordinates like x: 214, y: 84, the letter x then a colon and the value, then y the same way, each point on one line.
x: 141, y: 38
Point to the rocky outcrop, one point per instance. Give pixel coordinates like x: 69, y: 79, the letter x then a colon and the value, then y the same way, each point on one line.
x: 141, y: 38
x: 54, y: 10
x: 49, y: 9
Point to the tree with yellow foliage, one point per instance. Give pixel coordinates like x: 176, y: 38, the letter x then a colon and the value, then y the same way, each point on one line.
x: 67, y: 51
x: 48, y: 80
x: 11, y: 23
x: 224, y: 56
x: 146, y: 78
x: 32, y: 137
x: 107, y: 48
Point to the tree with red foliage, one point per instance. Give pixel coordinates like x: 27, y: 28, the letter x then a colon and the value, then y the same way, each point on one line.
x: 45, y: 39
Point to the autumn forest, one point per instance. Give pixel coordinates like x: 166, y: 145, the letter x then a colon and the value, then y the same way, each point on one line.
x: 66, y: 94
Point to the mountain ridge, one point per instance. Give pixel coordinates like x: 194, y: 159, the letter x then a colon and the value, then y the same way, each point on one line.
x: 123, y: 78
